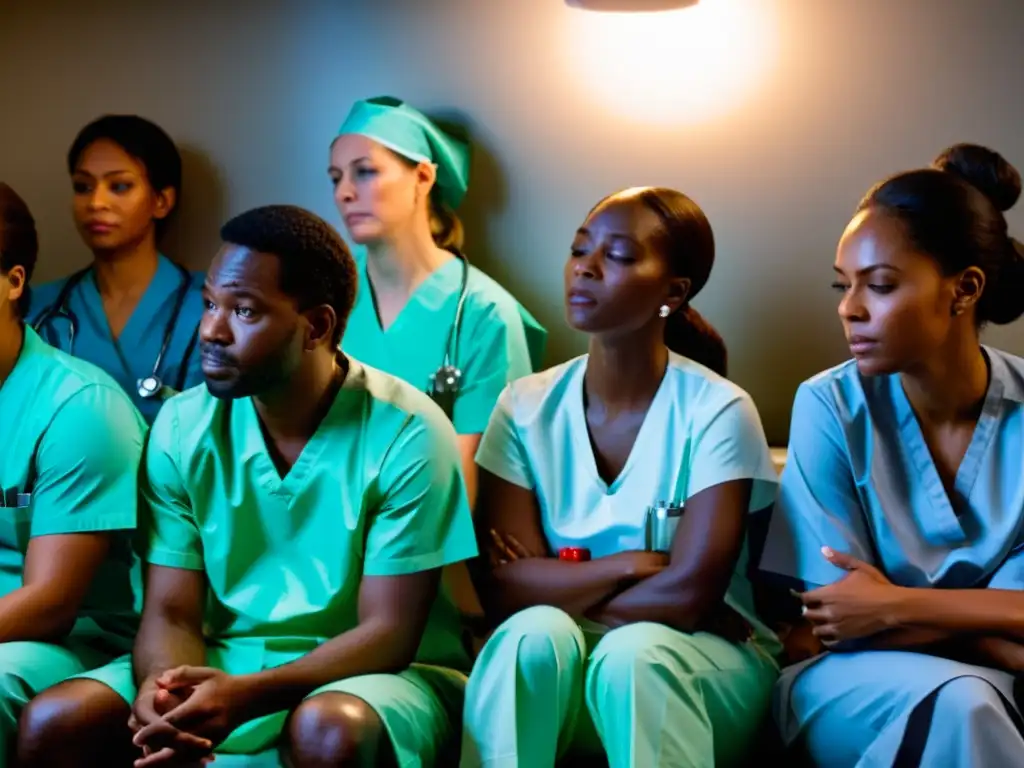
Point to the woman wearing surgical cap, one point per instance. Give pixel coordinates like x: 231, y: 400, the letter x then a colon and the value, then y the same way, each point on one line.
x: 422, y: 312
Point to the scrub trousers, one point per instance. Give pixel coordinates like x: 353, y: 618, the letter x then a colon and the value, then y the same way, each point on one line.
x: 899, y: 709
x: 646, y: 695
x: 419, y: 707
x: 29, y: 668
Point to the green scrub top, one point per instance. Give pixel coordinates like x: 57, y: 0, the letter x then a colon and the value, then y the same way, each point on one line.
x: 377, y: 491
x: 498, y: 340
x: 69, y: 460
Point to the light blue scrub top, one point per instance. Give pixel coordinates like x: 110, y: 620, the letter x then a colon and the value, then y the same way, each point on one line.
x: 859, y: 478
x: 130, y: 357
x: 701, y: 430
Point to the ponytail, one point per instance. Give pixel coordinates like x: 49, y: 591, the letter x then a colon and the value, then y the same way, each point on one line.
x: 687, y: 333
x: 445, y: 227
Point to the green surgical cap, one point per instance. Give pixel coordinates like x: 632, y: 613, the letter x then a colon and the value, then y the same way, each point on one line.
x: 402, y: 129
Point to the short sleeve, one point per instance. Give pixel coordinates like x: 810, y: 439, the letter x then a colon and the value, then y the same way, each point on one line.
x: 168, y: 526
x: 501, y: 449
x: 86, y: 468
x: 421, y: 519
x: 497, y: 353
x: 730, y: 445
x: 817, y: 505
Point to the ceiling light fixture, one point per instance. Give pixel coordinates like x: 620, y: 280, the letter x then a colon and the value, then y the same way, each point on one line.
x: 627, y: 6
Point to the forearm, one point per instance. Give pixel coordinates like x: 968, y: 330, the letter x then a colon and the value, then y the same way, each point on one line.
x: 573, y: 587
x: 998, y: 652
x: 35, y: 613
x: 372, y: 647
x: 664, y: 599
x: 162, y: 644
x: 962, y: 611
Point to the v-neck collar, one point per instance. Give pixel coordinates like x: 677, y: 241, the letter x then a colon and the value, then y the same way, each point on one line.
x: 581, y: 432
x: 430, y: 294
x: 941, y: 523
x: 295, y: 480
x: 136, y: 332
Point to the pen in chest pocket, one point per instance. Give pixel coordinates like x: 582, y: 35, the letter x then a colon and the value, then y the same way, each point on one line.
x: 10, y: 498
x: 661, y: 521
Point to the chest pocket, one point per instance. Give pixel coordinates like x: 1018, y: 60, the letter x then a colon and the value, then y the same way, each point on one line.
x: 15, y: 520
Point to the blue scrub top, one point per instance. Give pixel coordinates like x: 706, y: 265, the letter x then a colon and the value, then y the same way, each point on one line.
x: 860, y: 478
x: 130, y: 357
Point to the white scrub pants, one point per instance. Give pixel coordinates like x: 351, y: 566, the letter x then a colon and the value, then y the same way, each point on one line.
x: 644, y: 694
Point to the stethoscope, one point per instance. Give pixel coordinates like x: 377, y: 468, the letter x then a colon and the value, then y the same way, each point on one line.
x: 446, y: 381
x: 150, y: 386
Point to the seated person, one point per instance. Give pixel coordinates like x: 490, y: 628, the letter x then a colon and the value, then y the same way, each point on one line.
x: 901, y: 507
x: 649, y: 653
x: 69, y: 456
x: 299, y: 508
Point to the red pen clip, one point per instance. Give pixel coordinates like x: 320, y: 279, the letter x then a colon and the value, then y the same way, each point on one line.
x: 574, y: 554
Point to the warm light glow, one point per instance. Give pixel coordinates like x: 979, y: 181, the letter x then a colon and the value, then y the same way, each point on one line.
x: 674, y: 67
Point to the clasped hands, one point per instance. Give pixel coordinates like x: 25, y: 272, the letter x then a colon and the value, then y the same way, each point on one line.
x: 861, y: 604
x: 179, y: 718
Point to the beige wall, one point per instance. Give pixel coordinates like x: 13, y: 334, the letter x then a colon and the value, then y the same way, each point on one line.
x: 825, y: 97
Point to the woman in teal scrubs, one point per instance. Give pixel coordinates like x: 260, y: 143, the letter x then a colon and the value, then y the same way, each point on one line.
x: 69, y: 456
x: 901, y: 510
x: 133, y: 312
x: 646, y: 647
x: 422, y: 312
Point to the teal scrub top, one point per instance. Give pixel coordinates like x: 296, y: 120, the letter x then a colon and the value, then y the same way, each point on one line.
x: 377, y: 491
x: 131, y: 356
x: 701, y: 430
x: 69, y: 461
x: 498, y: 340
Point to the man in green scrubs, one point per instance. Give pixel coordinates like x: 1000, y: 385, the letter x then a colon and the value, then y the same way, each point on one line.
x: 70, y: 445
x: 298, y: 511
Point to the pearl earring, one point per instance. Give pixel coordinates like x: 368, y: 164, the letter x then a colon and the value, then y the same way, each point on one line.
x: 663, y: 312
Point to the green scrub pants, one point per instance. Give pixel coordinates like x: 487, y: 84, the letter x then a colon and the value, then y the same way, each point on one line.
x: 419, y: 707
x: 29, y: 668
x: 645, y: 694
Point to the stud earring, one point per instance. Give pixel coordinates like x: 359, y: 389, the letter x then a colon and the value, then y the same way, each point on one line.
x: 663, y: 312
x: 958, y: 309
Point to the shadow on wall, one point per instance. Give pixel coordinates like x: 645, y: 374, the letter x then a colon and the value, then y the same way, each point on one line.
x: 486, y: 201
x: 194, y: 236
x: 487, y: 189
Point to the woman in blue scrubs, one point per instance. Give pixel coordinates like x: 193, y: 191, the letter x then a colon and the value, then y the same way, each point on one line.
x: 901, y: 510
x: 648, y: 650
x: 133, y: 312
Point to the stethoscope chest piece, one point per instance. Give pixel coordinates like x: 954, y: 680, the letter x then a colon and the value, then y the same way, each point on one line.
x: 446, y: 380
x: 150, y: 387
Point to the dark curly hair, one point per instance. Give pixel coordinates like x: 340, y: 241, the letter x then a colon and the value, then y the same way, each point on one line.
x: 19, y: 244
x: 145, y: 141
x: 316, y: 265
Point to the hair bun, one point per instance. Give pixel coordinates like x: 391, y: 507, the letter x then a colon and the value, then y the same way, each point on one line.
x: 985, y: 169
